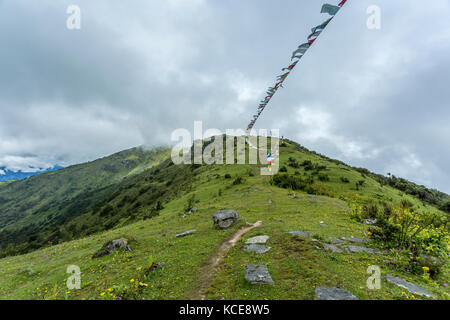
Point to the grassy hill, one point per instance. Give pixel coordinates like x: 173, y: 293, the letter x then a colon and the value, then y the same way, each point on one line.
x: 35, y: 211
x: 153, y: 205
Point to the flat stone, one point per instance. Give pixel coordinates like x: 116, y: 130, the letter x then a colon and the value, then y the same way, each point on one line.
x: 111, y: 246
x: 224, y: 219
x: 324, y: 225
x: 333, y: 293
x: 186, y: 233
x: 301, y: 233
x: 332, y: 247
x: 258, y: 248
x: 258, y: 274
x: 355, y: 249
x: 356, y: 240
x: 336, y: 241
x: 411, y: 287
x: 257, y: 240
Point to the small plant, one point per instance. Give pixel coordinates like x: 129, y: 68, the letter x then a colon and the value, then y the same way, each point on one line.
x: 227, y: 176
x: 323, y: 177
x: 283, y: 169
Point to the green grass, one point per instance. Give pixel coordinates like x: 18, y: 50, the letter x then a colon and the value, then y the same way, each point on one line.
x: 295, y: 264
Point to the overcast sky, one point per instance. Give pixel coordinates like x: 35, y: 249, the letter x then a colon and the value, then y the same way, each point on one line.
x: 137, y: 70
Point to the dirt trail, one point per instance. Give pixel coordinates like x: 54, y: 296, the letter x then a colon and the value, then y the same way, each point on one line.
x: 212, y: 267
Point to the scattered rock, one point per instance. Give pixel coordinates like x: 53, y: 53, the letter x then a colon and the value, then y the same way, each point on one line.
x: 224, y: 219
x: 356, y: 240
x: 186, y: 233
x: 336, y: 241
x: 370, y: 222
x: 257, y: 240
x: 333, y: 293
x: 332, y: 247
x: 355, y: 249
x: 258, y: 248
x: 111, y: 246
x: 429, y: 261
x: 411, y: 287
x: 301, y: 233
x: 311, y: 196
x: 258, y: 274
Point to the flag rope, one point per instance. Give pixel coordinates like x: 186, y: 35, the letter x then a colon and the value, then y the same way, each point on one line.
x: 332, y: 10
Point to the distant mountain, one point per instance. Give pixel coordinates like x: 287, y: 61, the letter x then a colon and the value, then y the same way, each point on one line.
x: 8, y: 175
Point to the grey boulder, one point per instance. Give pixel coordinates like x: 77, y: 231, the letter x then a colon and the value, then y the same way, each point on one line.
x: 258, y: 248
x: 111, y: 246
x: 355, y: 249
x: 333, y: 293
x: 257, y: 240
x: 301, y: 233
x: 224, y: 219
x: 411, y: 287
x: 258, y: 274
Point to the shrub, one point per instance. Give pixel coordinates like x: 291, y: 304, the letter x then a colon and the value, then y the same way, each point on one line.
x: 292, y: 162
x: 324, y: 177
x: 283, y: 169
x: 287, y: 181
x: 345, y: 180
x: 227, y: 176
x: 238, y: 180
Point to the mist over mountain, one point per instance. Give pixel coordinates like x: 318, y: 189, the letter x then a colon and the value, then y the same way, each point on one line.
x: 9, y: 175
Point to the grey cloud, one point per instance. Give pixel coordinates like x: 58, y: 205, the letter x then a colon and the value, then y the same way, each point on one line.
x: 138, y: 70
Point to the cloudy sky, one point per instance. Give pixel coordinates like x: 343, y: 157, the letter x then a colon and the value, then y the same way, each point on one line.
x: 137, y: 70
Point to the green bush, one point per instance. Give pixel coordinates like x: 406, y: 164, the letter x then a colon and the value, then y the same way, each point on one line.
x: 287, y: 181
x: 345, y: 180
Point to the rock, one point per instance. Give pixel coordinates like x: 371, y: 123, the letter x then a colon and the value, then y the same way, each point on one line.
x: 324, y: 225
x: 336, y: 241
x: 258, y: 274
x: 258, y: 248
x: 333, y: 293
x: 258, y: 240
x: 301, y: 233
x: 311, y: 196
x: 429, y: 261
x: 332, y: 247
x: 111, y: 246
x: 411, y: 287
x: 153, y: 267
x: 224, y: 219
x: 370, y: 222
x: 186, y: 233
x: 194, y: 209
x: 356, y: 240
x: 296, y: 196
x: 355, y: 249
